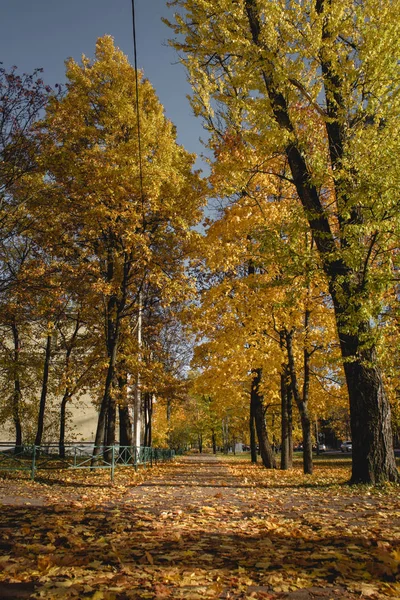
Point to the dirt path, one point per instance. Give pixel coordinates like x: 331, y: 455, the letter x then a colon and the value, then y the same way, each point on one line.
x: 198, y: 481
x: 201, y: 528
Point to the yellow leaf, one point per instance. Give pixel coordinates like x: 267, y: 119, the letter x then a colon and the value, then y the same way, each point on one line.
x: 149, y: 558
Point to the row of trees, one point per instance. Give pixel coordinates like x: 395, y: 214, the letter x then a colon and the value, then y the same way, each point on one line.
x: 301, y: 102
x: 97, y: 205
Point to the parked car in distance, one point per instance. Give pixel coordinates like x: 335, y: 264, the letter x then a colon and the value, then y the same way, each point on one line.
x: 346, y: 446
x: 319, y: 448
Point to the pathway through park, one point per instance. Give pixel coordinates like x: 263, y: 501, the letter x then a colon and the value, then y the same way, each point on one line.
x: 199, y: 528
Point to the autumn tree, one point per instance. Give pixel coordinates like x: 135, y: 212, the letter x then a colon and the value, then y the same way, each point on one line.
x: 252, y: 64
x: 116, y: 214
x: 260, y: 324
x: 22, y: 100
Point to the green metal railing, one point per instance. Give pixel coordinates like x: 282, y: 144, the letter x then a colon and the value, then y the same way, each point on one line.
x: 33, y: 458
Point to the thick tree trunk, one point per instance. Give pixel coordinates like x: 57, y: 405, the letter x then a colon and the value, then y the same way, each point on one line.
x: 125, y: 426
x: 267, y: 455
x: 17, y: 389
x: 200, y: 442
x: 370, y: 420
x: 370, y: 415
x: 43, y: 396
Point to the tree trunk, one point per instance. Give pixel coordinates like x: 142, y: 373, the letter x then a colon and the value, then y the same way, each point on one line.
x: 43, y: 396
x: 102, y: 425
x: 150, y: 436
x: 148, y: 414
x: 302, y: 402
x: 214, y: 442
x: 68, y: 393
x: 225, y: 434
x: 137, y: 406
x: 169, y: 412
x: 125, y: 426
x: 290, y: 422
x: 17, y: 389
x: 200, y: 442
x: 146, y: 418
x: 63, y: 412
x: 125, y: 421
x: 106, y: 430
x: 370, y: 420
x: 110, y: 438
x: 267, y: 455
x: 253, y: 441
x: 285, y: 437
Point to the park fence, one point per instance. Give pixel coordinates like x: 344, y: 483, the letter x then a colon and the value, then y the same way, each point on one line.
x: 31, y: 458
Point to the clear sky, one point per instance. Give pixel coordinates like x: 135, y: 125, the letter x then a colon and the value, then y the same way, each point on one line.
x: 43, y: 33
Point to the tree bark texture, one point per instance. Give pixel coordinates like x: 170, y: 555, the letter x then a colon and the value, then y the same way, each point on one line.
x: 125, y: 426
x: 370, y: 421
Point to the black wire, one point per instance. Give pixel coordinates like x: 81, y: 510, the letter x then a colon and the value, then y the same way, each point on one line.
x: 137, y: 101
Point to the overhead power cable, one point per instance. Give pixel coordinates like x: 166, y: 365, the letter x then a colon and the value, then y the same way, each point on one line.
x: 137, y: 101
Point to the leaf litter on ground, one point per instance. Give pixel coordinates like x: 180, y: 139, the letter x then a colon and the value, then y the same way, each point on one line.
x: 199, y: 528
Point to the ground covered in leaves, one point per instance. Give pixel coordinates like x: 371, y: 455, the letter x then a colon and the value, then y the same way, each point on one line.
x: 200, y: 527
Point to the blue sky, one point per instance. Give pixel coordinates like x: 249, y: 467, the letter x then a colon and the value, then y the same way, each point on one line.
x: 43, y: 33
